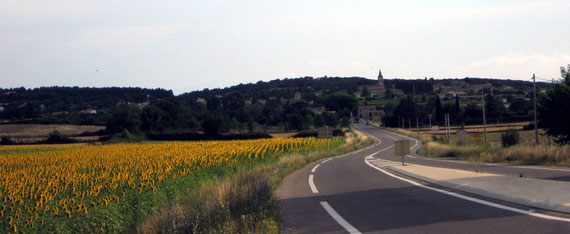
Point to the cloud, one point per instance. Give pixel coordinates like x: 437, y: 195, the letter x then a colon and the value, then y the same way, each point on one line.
x: 123, y: 35
x: 522, y: 59
x: 519, y: 65
x: 320, y: 62
x: 42, y: 11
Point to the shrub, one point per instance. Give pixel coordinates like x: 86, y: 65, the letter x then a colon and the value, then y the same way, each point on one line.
x: 450, y: 154
x: 510, y: 138
x: 56, y: 138
x: 7, y: 141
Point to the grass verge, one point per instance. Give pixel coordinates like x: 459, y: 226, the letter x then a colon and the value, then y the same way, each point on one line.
x: 523, y: 153
x: 241, y: 199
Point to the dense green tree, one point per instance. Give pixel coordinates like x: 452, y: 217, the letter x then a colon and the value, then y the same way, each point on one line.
x: 389, y: 107
x: 519, y: 106
x: 472, y: 111
x: 250, y: 123
x: 214, y: 124
x: 309, y: 121
x: 438, y: 112
x: 331, y: 119
x: 457, y: 108
x: 152, y: 119
x: 406, y: 108
x: 364, y: 92
x: 338, y: 101
x: 345, y: 121
x: 296, y: 122
x: 124, y: 117
x: 213, y: 103
x: 319, y: 121
x: 553, y: 109
x: 171, y: 111
x: 389, y: 94
x: 494, y: 108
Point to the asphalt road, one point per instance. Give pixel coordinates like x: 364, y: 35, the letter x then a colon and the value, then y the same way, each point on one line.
x: 344, y: 194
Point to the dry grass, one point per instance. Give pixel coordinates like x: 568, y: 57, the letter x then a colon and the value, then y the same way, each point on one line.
x: 477, y: 130
x: 523, y: 153
x: 529, y: 155
x: 243, y: 202
x: 283, y: 134
x: 43, y: 130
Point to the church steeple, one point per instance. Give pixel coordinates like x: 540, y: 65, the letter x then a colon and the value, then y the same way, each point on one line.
x: 380, y: 78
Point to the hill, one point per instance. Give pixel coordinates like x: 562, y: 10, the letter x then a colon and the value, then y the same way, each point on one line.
x: 285, y: 104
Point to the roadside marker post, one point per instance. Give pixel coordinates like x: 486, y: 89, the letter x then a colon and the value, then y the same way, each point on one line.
x: 325, y: 133
x: 402, y: 148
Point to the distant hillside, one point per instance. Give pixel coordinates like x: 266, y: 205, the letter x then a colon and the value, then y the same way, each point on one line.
x: 296, y: 103
x: 52, y: 103
x: 309, y: 87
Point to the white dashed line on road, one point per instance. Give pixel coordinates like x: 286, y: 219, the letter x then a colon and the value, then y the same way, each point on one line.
x: 339, y: 219
x: 312, y: 184
x: 315, y: 168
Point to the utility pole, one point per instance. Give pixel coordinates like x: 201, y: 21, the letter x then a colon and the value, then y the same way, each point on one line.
x: 417, y: 124
x: 445, y: 125
x: 447, y: 134
x: 484, y: 120
x: 429, y: 121
x: 535, y: 114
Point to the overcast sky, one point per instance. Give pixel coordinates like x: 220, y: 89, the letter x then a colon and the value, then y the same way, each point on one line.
x: 191, y: 45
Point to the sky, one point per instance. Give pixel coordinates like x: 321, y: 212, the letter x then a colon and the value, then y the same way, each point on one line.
x: 192, y: 45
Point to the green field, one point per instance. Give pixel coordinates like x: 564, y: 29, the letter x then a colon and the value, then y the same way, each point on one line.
x: 382, y: 102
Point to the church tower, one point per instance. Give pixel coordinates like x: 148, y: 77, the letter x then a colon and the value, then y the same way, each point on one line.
x: 380, y: 79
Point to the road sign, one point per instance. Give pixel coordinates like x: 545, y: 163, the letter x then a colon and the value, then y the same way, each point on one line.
x: 402, y: 147
x: 324, y: 133
x: 435, y: 128
x: 461, y: 133
x: 477, y: 137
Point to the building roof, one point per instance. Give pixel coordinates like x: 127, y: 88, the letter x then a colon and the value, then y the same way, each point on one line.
x: 367, y: 107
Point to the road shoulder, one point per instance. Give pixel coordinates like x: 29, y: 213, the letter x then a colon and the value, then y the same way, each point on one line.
x: 544, y: 194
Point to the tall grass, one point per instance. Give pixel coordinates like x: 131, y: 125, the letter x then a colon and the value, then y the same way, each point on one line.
x: 524, y: 153
x: 241, y: 200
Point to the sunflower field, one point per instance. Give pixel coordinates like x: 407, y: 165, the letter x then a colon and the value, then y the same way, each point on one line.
x: 39, y: 185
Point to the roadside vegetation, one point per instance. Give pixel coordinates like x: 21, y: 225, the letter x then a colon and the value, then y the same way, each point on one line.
x: 209, y: 186
x: 496, y: 150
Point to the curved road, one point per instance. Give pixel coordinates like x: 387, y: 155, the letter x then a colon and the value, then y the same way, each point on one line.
x: 345, y: 194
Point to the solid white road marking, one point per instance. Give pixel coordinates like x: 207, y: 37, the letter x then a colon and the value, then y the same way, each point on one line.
x: 312, y: 185
x: 315, y: 168
x: 408, y: 138
x: 338, y: 218
x: 534, y: 168
x: 550, y: 217
x: 327, y: 160
x: 391, y: 137
x: 383, y: 149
